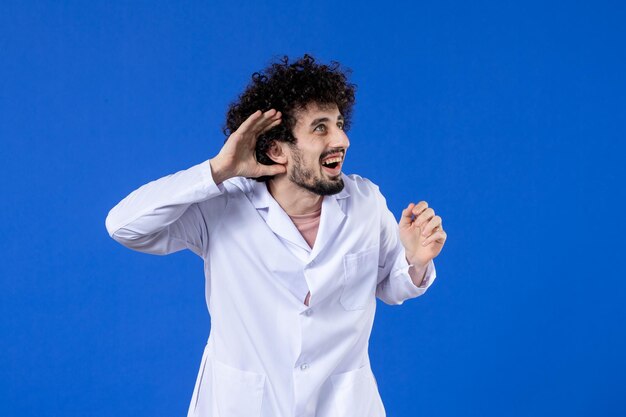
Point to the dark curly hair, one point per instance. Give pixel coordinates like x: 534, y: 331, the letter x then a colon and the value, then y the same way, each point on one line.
x: 289, y: 88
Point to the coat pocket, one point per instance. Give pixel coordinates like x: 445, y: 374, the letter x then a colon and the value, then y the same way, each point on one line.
x: 237, y: 393
x: 355, y: 394
x: 360, y: 274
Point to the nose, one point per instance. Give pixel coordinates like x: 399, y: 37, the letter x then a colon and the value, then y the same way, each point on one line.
x: 339, y: 140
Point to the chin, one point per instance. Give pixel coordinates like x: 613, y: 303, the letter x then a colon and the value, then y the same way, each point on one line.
x: 329, y: 187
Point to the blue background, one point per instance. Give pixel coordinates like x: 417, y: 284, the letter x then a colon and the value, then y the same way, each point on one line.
x: 504, y: 116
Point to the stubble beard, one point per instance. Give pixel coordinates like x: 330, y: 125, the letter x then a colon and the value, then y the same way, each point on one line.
x: 306, y: 179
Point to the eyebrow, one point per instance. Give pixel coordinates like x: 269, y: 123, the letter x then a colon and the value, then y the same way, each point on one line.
x: 324, y: 119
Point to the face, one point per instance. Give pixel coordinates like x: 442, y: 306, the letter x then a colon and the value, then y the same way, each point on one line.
x: 315, y: 160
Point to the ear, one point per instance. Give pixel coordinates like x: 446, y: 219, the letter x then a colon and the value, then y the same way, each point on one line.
x: 276, y: 153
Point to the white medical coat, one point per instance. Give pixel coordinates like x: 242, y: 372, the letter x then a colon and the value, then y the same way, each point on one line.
x: 268, y: 354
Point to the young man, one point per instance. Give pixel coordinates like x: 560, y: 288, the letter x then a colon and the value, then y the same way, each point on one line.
x: 295, y: 259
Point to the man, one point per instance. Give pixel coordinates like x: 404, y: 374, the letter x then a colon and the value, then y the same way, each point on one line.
x: 294, y: 260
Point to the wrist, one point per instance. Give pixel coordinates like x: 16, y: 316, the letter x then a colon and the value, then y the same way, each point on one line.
x: 219, y: 170
x: 416, y: 263
x: 417, y: 272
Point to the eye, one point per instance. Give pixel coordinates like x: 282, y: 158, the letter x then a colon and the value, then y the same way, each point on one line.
x: 340, y: 125
x: 322, y: 126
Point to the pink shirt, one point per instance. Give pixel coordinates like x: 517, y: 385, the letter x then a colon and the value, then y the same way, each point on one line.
x: 307, y: 225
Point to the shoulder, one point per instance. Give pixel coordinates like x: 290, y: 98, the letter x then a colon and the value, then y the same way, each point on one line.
x: 359, y: 186
x: 230, y: 190
x: 239, y: 185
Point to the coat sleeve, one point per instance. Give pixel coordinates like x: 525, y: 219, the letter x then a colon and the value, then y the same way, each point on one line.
x: 170, y: 214
x: 394, y: 282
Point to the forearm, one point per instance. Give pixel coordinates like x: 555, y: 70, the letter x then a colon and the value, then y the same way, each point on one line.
x: 159, y: 203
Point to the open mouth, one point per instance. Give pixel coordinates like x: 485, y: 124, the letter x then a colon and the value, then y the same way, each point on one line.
x: 332, y: 164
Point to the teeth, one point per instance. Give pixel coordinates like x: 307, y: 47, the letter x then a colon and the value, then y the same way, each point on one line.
x: 331, y: 160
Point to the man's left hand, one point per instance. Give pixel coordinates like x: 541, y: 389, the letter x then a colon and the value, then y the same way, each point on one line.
x: 421, y: 233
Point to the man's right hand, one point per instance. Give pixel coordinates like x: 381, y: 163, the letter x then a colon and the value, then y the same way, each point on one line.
x: 237, y: 156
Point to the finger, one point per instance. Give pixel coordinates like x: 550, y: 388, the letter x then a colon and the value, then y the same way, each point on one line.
x: 273, y: 169
x: 407, y: 216
x: 425, y: 217
x: 439, y: 236
x: 431, y: 226
x: 250, y: 121
x: 256, y: 121
x: 264, y: 126
x: 272, y: 125
x: 268, y: 117
x: 419, y: 208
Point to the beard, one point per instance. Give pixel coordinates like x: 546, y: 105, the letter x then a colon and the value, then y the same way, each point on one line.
x: 306, y: 178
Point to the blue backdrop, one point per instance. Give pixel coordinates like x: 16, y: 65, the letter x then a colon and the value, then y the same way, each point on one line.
x: 504, y: 116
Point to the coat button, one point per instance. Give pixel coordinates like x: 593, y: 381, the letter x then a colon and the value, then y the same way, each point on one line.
x: 304, y: 366
x: 308, y: 312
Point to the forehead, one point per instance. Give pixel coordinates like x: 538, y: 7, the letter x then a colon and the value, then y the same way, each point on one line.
x: 314, y: 111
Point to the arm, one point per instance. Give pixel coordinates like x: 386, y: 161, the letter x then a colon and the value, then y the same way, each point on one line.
x: 397, y: 278
x: 164, y: 216
x: 398, y: 281
x: 177, y: 211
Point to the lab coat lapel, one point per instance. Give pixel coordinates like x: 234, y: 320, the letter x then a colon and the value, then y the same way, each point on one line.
x: 280, y: 223
x: 332, y: 218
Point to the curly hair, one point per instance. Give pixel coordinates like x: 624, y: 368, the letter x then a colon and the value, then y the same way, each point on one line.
x: 289, y: 88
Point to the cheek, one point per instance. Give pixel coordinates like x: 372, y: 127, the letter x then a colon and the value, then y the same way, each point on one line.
x: 312, y: 166
x: 311, y: 160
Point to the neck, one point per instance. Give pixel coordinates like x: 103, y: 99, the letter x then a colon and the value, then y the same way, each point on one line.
x: 293, y: 199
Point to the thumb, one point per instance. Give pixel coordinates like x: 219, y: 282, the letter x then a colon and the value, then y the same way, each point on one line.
x: 406, y: 218
x: 274, y: 169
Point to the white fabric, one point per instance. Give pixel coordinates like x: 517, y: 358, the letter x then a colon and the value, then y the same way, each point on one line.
x: 268, y: 354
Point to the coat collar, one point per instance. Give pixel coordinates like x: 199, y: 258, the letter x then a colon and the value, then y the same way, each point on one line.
x: 333, y: 215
